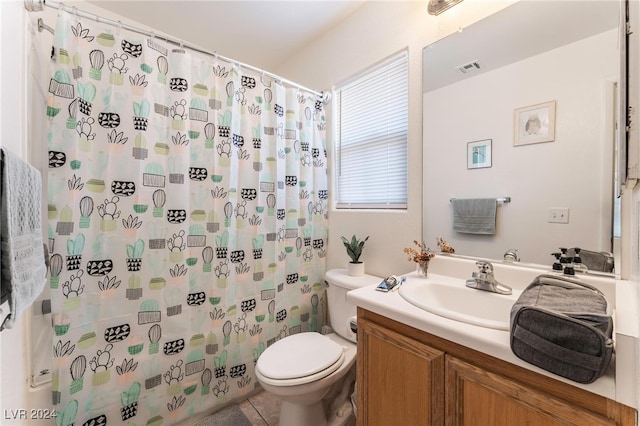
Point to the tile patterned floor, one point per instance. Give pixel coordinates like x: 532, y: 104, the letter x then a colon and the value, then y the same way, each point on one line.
x: 262, y: 409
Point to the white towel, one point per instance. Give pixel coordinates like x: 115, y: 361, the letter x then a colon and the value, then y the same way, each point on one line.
x: 21, y: 251
x: 474, y: 215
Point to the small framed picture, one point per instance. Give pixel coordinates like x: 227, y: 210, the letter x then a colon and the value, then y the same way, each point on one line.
x: 535, y: 124
x: 479, y: 154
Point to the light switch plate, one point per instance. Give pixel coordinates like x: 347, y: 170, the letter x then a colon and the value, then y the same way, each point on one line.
x: 558, y: 215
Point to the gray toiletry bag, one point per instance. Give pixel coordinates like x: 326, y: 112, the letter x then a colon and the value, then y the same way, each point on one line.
x: 563, y: 326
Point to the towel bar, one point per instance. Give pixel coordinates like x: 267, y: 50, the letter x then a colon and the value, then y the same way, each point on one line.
x: 502, y: 200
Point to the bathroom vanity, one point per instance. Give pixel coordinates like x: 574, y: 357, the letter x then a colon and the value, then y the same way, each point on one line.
x: 419, y: 368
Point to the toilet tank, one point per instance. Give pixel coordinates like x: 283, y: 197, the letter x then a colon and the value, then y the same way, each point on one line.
x: 340, y: 311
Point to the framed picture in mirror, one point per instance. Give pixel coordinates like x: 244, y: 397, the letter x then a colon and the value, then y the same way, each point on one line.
x: 479, y: 154
x: 535, y: 124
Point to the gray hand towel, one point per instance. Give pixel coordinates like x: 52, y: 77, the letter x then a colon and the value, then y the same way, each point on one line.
x: 474, y: 215
x: 22, y: 265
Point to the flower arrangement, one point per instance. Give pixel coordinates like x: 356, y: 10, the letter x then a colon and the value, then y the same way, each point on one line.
x: 420, y: 254
x: 444, y: 246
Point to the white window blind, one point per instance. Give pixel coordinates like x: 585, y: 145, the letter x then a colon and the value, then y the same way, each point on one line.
x: 371, y: 143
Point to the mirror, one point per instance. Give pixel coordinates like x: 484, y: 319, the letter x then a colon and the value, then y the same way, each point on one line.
x: 553, y: 59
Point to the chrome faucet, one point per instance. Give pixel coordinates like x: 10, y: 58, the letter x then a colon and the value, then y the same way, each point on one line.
x: 484, y: 280
x: 511, y: 255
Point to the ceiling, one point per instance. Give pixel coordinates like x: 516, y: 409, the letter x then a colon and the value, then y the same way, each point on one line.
x: 260, y: 33
x: 524, y: 29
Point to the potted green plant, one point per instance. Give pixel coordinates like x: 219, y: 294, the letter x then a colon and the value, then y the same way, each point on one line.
x: 354, y: 247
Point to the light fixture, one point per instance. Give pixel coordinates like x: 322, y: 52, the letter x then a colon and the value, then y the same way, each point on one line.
x: 436, y: 7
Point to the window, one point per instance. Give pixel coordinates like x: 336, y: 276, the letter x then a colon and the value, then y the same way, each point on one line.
x: 371, y: 143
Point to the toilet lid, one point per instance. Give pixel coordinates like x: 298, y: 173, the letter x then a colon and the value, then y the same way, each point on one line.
x: 299, y: 355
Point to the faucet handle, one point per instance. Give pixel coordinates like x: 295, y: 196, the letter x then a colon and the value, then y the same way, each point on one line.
x: 485, y: 267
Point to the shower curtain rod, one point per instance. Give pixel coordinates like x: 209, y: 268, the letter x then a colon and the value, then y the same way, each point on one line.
x: 37, y: 6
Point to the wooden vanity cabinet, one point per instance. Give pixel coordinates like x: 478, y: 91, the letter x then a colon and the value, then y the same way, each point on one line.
x: 478, y: 397
x: 400, y: 380
x: 408, y: 377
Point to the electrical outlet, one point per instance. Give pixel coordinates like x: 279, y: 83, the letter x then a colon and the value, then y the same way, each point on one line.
x: 558, y: 215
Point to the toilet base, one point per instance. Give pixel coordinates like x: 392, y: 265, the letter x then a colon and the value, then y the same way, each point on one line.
x: 340, y: 410
x: 307, y: 404
x: 308, y: 415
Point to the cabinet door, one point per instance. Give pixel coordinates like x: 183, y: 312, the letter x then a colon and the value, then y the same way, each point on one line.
x: 478, y: 397
x: 400, y: 380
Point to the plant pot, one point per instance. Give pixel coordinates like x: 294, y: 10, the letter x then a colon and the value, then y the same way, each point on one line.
x: 71, y: 304
x: 116, y: 78
x: 355, y: 269
x: 107, y: 225
x: 129, y: 411
x: 134, y: 264
x: 76, y: 385
x: 174, y: 389
x: 140, y: 153
x: 152, y: 382
x: 134, y: 293
x: 100, y: 378
x: 211, y: 348
x: 86, y: 340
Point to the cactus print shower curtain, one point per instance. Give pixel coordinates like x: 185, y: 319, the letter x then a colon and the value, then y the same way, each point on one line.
x: 187, y: 225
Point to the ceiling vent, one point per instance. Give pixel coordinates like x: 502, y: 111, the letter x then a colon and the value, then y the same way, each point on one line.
x: 468, y: 67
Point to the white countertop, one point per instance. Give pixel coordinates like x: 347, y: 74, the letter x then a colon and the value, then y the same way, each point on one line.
x: 496, y: 342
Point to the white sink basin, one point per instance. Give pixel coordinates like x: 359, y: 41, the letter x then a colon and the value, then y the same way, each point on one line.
x: 449, y: 297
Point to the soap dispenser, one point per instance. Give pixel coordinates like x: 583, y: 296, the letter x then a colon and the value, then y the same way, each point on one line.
x: 566, y: 262
x: 564, y: 259
x: 557, y: 266
x: 577, y: 261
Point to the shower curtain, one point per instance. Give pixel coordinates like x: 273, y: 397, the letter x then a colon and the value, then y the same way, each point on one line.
x: 187, y: 203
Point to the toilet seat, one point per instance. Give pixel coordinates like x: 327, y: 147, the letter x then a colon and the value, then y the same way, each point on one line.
x: 298, y: 359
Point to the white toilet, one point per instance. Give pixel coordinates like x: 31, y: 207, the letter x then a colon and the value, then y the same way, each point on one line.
x: 301, y: 368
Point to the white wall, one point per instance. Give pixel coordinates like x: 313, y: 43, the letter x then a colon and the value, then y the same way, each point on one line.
x: 373, y: 32
x: 574, y: 171
x: 15, y: 392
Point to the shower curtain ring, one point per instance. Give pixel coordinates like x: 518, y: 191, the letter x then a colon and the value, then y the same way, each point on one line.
x: 264, y: 78
x: 119, y: 27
